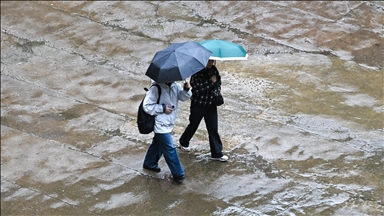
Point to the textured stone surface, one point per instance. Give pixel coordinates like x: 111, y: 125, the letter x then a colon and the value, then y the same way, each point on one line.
x: 302, y: 121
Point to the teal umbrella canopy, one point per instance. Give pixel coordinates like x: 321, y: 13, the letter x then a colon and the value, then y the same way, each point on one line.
x: 224, y: 50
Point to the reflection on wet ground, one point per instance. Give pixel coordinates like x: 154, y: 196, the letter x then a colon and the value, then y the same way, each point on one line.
x: 302, y: 122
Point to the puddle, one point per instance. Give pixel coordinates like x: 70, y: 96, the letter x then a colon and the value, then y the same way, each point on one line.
x: 302, y: 121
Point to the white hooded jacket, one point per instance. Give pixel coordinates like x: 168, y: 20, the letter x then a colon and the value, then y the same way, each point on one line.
x: 169, y: 95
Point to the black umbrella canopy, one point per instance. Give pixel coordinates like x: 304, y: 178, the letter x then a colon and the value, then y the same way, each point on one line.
x: 178, y: 61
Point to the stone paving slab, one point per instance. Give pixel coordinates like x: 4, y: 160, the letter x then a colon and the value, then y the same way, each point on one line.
x: 302, y: 122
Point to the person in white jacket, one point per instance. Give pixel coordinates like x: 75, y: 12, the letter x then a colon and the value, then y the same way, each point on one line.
x: 166, y: 113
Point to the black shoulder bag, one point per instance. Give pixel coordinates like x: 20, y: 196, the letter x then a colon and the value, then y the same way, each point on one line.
x: 218, y: 98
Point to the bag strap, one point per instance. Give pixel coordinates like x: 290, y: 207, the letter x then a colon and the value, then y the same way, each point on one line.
x: 159, y: 90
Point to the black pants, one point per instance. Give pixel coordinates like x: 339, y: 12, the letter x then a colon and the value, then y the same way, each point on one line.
x: 211, y: 121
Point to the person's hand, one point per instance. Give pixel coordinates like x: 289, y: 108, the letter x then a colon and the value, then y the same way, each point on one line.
x: 187, y: 86
x: 213, y: 79
x: 168, y: 109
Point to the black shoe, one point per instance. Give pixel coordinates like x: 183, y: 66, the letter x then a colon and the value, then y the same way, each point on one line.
x: 179, y: 180
x: 157, y: 169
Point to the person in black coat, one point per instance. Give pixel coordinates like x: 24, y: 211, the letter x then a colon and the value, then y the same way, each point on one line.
x: 204, y: 84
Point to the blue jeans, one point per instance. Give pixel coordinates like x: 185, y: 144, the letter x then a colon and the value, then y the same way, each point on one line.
x: 162, y: 144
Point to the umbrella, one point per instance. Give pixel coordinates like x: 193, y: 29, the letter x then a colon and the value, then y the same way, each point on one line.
x: 178, y: 61
x: 224, y: 50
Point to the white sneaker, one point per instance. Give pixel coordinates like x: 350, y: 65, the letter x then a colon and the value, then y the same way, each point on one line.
x: 186, y: 149
x: 222, y: 159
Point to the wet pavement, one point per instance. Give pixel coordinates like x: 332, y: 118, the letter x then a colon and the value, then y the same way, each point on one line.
x: 302, y: 123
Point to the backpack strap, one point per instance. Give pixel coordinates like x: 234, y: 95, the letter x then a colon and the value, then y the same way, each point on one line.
x: 159, y: 90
